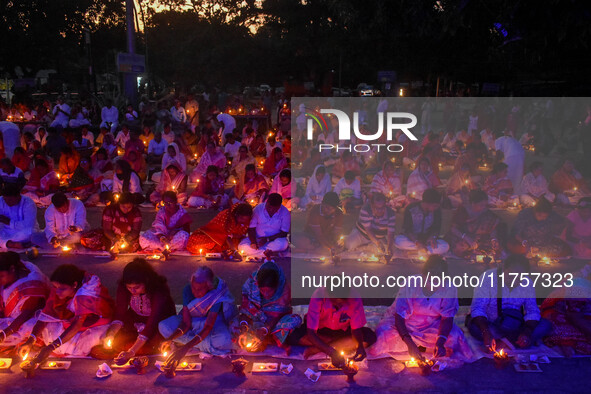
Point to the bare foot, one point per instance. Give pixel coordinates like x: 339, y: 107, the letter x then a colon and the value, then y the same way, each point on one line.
x: 310, y: 351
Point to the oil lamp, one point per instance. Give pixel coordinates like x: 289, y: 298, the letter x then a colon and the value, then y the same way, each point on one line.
x: 238, y: 366
x: 501, y: 359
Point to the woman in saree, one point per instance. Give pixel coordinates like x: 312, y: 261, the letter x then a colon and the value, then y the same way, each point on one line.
x: 275, y: 163
x: 318, y: 185
x: 258, y: 146
x: 23, y: 291
x: 475, y: 229
x: 75, y: 316
x: 240, y: 162
x: 210, y: 190
x: 125, y: 180
x: 282, y: 186
x: 143, y: 301
x: 578, y: 234
x: 172, y: 154
x: 458, y: 187
x: 499, y: 188
x: 173, y: 179
x: 69, y: 161
x: 265, y: 312
x: 101, y: 164
x: 388, y: 182
x: 21, y: 159
x: 421, y: 179
x: 568, y: 183
x: 539, y: 231
x: 223, y: 233
x: 82, y: 185
x: 138, y: 163
x: 203, y: 323
x: 42, y: 184
x: 171, y: 227
x: 423, y: 317
x: 252, y: 187
x: 568, y: 310
x: 121, y: 226
x: 212, y: 157
x: 347, y: 162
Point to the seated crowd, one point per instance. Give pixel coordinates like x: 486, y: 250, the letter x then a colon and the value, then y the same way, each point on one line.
x: 250, y: 184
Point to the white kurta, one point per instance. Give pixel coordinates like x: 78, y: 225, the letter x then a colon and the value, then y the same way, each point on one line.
x: 57, y: 224
x: 514, y: 157
x: 422, y: 316
x: 23, y: 221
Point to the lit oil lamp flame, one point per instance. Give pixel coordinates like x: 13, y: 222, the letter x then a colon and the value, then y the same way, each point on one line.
x: 52, y: 364
x: 249, y: 345
x: 242, y: 252
x: 173, y: 187
x: 167, y: 247
x: 234, y: 181
x: 165, y: 354
x: 184, y: 364
x: 109, y: 344
x: 262, y: 162
x: 116, y: 196
x: 66, y: 248
x: 466, y: 181
x: 200, y: 251
x: 25, y: 356
x: 123, y: 245
x: 575, y: 189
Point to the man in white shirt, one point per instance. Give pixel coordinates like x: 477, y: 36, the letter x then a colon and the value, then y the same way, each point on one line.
x: 156, y: 148
x: 513, y: 156
x: 61, y: 113
x: 123, y: 136
x: 178, y: 113
x: 232, y: 146
x: 110, y: 115
x: 510, y: 312
x: 229, y: 122
x: 87, y: 135
x: 9, y: 174
x: 18, y: 219
x: 65, y: 220
x: 269, y: 226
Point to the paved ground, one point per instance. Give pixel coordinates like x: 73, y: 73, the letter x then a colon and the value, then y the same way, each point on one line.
x: 563, y: 375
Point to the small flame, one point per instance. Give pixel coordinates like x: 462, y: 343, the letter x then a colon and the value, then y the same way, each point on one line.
x: 184, y: 364
x: 25, y: 356
x: 575, y: 189
x: 123, y: 245
x: 501, y: 353
x: 234, y: 181
x: 116, y: 196
x: 66, y: 248
x: 248, y: 345
x: 167, y: 247
x: 342, y: 353
x: 109, y: 344
x: 165, y: 354
x: 466, y: 181
x: 262, y: 162
x: 156, y: 256
x: 174, y: 187
x: 412, y: 359
x: 242, y: 252
x: 200, y: 251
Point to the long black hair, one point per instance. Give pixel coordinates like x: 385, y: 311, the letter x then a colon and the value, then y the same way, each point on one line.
x: 12, y: 259
x: 68, y: 274
x: 140, y: 271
